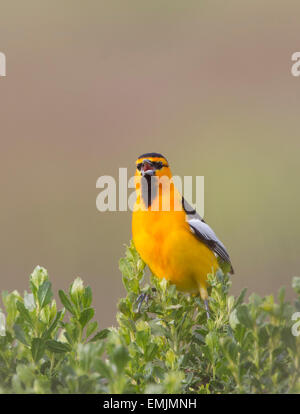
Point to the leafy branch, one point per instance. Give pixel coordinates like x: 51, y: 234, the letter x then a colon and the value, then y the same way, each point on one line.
x: 163, y: 344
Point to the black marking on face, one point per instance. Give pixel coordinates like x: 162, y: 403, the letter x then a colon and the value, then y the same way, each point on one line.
x: 158, y: 165
x: 149, y: 187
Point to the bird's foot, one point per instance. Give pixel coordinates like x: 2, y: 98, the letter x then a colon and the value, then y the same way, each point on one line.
x: 143, y: 297
x: 206, y: 308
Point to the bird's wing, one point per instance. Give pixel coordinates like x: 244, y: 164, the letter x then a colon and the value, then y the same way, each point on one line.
x: 205, y: 233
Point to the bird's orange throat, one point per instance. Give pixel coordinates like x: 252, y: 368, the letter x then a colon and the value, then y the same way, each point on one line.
x: 156, y: 194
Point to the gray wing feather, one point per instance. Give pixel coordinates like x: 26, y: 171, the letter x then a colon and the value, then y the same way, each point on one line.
x: 205, y: 233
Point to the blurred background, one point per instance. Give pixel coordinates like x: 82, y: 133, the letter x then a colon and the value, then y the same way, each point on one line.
x: 91, y: 85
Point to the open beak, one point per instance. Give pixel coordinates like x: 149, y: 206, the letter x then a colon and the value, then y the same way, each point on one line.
x: 148, y: 168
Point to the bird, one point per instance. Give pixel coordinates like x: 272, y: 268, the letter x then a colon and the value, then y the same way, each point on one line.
x: 176, y: 243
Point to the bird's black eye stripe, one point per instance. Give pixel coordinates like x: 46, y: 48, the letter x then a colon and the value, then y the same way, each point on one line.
x: 158, y: 165
x: 139, y: 166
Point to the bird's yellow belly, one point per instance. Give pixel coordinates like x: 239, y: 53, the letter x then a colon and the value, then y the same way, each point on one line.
x: 171, y: 251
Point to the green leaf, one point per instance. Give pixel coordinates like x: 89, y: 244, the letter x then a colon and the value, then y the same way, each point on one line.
x: 73, y: 330
x: 142, y: 339
x: 91, y: 327
x: 87, y: 297
x: 211, y: 341
x: 151, y: 351
x: 263, y: 336
x: 103, y: 368
x: 68, y: 337
x: 241, y: 297
x: 57, y: 346
x: 23, y: 312
x: 120, y: 357
x: 233, y: 319
x: 125, y: 268
x: 230, y: 349
x: 48, y: 332
x: 9, y: 301
x: 44, y: 293
x: 25, y: 374
x: 289, y: 339
x: 100, y: 335
x: 20, y: 334
x: 243, y: 316
x: 65, y: 301
x: 85, y: 316
x: 37, y: 349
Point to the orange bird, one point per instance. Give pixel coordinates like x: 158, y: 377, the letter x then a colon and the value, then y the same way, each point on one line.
x: 174, y: 242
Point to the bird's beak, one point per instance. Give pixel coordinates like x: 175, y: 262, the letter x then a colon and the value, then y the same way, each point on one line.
x: 148, y: 168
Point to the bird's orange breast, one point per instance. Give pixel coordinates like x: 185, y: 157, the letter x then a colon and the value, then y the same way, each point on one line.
x: 167, y: 245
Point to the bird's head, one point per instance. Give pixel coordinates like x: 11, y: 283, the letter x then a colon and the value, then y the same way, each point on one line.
x: 154, y: 183
x: 152, y: 164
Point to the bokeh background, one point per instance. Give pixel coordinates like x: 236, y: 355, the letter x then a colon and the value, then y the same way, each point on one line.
x: 91, y: 85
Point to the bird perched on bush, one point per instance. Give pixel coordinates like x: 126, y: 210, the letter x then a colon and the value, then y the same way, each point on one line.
x: 171, y: 237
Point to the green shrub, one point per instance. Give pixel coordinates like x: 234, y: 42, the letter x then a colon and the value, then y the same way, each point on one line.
x: 164, y: 344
